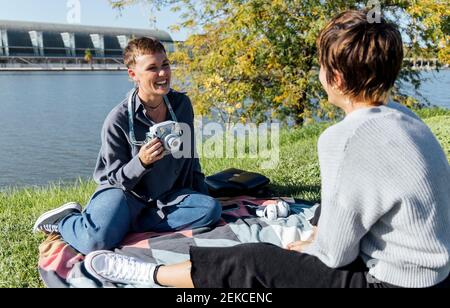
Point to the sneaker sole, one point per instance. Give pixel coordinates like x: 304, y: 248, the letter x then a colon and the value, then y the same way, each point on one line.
x: 87, y: 265
x: 64, y: 209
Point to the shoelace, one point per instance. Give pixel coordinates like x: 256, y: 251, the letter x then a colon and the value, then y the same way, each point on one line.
x: 50, y: 228
x: 122, y: 268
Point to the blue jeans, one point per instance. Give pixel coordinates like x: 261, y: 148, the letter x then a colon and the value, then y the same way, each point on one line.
x: 112, y: 214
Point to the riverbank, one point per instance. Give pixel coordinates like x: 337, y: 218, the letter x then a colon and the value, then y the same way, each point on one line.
x: 67, y: 68
x: 85, y: 68
x: 298, y: 176
x: 63, y: 69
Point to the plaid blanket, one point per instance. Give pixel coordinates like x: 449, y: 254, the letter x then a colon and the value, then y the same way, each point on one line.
x: 60, y: 266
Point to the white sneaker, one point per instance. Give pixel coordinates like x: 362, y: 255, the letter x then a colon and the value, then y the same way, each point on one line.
x: 112, y: 267
x: 48, y: 222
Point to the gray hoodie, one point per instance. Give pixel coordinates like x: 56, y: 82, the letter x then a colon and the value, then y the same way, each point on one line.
x: 119, y: 166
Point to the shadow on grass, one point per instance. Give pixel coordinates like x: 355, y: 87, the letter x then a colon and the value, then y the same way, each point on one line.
x: 296, y: 190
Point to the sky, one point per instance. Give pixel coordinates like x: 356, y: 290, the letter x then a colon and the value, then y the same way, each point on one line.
x: 92, y: 12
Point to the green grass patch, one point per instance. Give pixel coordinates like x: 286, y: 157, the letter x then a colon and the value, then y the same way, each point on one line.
x: 426, y: 113
x: 297, y: 175
x: 440, y: 126
x: 19, y: 209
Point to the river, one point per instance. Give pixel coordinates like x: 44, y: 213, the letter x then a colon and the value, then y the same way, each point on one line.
x: 51, y: 121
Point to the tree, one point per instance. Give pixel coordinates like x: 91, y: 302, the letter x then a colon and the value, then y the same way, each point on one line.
x: 257, y: 59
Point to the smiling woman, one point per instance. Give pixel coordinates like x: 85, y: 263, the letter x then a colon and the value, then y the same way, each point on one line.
x: 140, y: 189
x: 152, y: 74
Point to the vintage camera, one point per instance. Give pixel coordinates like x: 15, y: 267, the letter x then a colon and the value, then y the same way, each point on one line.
x: 170, y: 135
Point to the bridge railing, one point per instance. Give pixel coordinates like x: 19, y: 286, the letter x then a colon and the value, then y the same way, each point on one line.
x: 424, y: 63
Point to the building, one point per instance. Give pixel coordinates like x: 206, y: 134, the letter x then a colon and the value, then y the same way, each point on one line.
x: 33, y: 44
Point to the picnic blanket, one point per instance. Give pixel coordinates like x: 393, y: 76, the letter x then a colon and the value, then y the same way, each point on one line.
x: 61, y: 266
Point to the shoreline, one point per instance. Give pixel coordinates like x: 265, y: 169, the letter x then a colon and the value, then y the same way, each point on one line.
x: 433, y: 116
x: 122, y: 68
x: 63, y: 69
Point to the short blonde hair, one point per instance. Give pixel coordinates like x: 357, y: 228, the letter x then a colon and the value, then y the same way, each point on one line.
x: 368, y: 56
x: 139, y: 47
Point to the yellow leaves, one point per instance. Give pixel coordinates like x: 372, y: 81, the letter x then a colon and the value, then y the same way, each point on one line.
x: 179, y: 57
x: 230, y: 109
x: 278, y: 2
x: 281, y: 98
x: 410, y: 102
x: 175, y: 28
x: 309, y: 121
x: 263, y: 51
x: 245, y: 62
x: 444, y: 55
x: 213, y: 81
x: 273, y: 63
x: 307, y: 114
x: 200, y: 108
x: 190, y: 23
x: 428, y: 8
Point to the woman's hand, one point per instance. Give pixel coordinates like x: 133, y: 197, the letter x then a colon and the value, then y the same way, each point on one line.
x: 151, y: 152
x: 301, y: 246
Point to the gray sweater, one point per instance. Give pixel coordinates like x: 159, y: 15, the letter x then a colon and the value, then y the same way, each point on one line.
x: 385, y: 197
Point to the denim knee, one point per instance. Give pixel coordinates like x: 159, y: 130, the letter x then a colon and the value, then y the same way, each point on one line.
x: 103, y: 225
x: 95, y: 244
x: 212, y: 210
x: 106, y: 238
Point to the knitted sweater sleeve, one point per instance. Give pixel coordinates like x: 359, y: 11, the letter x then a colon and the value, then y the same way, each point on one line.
x: 354, y: 203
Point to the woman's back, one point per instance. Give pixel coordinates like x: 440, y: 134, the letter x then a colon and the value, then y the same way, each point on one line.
x: 385, y: 197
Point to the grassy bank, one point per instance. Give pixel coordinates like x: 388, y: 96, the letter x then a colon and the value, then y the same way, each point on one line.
x: 297, y: 175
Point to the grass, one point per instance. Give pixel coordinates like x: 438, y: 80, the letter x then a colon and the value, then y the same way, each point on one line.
x: 297, y: 176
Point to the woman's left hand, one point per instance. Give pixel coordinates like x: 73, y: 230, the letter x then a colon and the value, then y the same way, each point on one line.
x: 301, y: 246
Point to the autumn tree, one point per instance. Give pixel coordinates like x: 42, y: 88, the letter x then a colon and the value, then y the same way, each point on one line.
x: 253, y: 60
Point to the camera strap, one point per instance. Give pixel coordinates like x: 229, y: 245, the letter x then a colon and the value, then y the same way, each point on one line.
x: 169, y: 106
x: 131, y: 106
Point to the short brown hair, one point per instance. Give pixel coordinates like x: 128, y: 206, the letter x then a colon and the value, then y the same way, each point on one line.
x: 367, y: 55
x: 141, y: 46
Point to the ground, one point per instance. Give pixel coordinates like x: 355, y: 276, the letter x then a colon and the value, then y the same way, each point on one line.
x: 297, y: 175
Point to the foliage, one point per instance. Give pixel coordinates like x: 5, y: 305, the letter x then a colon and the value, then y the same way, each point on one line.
x: 257, y: 59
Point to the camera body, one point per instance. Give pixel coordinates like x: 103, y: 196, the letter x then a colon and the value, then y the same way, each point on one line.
x: 170, y: 135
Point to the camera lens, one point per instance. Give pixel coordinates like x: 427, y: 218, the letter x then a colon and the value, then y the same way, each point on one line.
x: 173, y: 143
